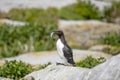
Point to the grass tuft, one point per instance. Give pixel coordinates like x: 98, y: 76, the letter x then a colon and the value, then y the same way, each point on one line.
x: 90, y: 62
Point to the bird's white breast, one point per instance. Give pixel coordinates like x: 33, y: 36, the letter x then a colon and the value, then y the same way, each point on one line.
x: 59, y: 48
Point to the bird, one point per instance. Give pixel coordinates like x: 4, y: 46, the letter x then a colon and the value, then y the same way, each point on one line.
x: 63, y: 49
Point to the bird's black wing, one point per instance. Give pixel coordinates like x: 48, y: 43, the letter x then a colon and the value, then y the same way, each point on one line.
x: 68, y: 55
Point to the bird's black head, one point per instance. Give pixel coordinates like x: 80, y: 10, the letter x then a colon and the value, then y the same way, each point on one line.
x: 59, y: 33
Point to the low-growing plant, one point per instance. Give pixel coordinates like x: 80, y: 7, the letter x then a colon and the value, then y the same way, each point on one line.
x: 35, y: 35
x: 90, y: 62
x: 15, y: 69
x: 39, y: 67
x: 81, y: 10
x: 32, y: 37
x: 78, y: 11
x: 33, y: 15
x: 17, y: 40
x: 44, y: 66
x: 111, y: 39
x: 113, y: 13
x: 112, y: 50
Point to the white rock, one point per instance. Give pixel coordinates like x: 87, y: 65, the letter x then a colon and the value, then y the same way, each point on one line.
x: 1, y: 78
x: 109, y: 70
x: 13, y: 22
x: 65, y: 23
x: 52, y: 56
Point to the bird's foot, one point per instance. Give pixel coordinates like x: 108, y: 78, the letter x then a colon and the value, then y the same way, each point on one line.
x: 73, y: 65
x: 66, y: 64
x: 60, y: 64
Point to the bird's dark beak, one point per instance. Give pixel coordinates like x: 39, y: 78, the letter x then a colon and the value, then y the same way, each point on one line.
x: 52, y: 33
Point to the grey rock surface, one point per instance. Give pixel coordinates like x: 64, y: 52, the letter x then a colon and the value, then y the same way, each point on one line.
x: 12, y: 22
x: 1, y: 78
x: 86, y: 33
x: 100, y: 48
x: 109, y: 70
x: 39, y: 58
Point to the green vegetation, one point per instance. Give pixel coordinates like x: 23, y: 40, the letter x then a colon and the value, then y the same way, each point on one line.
x: 111, y: 39
x: 15, y: 70
x: 36, y: 35
x: 77, y: 11
x: 34, y: 15
x: 16, y: 40
x: 112, y: 50
x: 113, y: 12
x: 18, y: 69
x: 32, y: 37
x: 90, y: 62
x: 44, y: 66
x: 80, y: 11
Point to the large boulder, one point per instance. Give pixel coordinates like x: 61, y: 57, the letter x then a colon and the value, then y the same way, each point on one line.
x: 109, y: 70
x: 40, y: 58
x: 101, y: 48
x: 86, y: 33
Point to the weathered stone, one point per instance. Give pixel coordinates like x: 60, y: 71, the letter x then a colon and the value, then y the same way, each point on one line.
x: 100, y: 47
x: 109, y: 70
x: 86, y: 33
x: 113, y: 50
x: 12, y: 22
x: 1, y: 78
x: 52, y: 56
x: 1, y: 63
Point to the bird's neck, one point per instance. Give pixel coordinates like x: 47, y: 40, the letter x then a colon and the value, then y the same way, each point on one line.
x: 62, y: 38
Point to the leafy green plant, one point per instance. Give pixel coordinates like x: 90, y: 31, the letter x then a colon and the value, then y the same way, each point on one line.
x: 15, y: 69
x: 17, y: 40
x: 33, y: 15
x: 111, y: 39
x: 32, y: 37
x: 77, y: 11
x: 44, y: 66
x: 80, y: 11
x: 35, y: 36
x: 90, y: 62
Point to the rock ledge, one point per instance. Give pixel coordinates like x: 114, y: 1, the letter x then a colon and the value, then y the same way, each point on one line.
x: 109, y: 70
